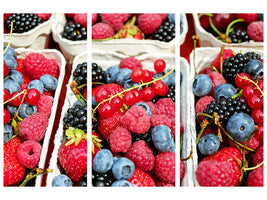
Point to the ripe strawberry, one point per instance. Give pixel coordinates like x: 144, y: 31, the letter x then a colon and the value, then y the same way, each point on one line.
x: 72, y: 155
x: 141, y: 179
x: 13, y: 170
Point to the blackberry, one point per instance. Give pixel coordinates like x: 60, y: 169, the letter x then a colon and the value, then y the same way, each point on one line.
x: 74, y: 31
x: 235, y: 64
x: 102, y: 179
x: 76, y: 117
x: 165, y: 33
x: 83, y: 181
x: 146, y: 137
x: 97, y: 73
x: 225, y: 108
x: 238, y: 36
x: 23, y: 22
x: 171, y: 93
x: 80, y: 73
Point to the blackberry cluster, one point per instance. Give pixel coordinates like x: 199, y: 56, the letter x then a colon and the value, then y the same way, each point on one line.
x: 225, y: 108
x: 76, y: 117
x: 171, y: 93
x: 80, y: 73
x: 146, y: 137
x: 235, y: 64
x: 238, y: 36
x: 74, y: 31
x: 83, y: 181
x: 165, y: 33
x: 97, y: 73
x: 23, y: 22
x: 102, y: 179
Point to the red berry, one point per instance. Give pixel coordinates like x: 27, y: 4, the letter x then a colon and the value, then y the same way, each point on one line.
x: 106, y: 110
x: 137, y: 75
x: 101, y: 94
x: 241, y: 82
x: 18, y: 100
x: 6, y: 69
x: 147, y: 76
x: 160, y: 88
x: 116, y: 103
x: 260, y: 85
x: 85, y: 93
x: 6, y: 116
x: 248, y: 91
x: 221, y: 20
x: 129, y: 98
x: 259, y: 134
x: 6, y: 95
x: 257, y: 116
x: 147, y: 93
x: 159, y: 65
x: 255, y: 102
x: 137, y: 94
x: 32, y: 96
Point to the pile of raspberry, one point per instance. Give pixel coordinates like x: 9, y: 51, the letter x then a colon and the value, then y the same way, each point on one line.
x: 229, y: 118
x: 125, y: 124
x: 29, y: 87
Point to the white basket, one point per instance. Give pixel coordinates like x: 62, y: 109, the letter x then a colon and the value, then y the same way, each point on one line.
x: 203, y: 58
x: 37, y: 38
x: 206, y: 39
x: 184, y: 27
x: 68, y: 102
x: 69, y: 48
x: 59, y: 58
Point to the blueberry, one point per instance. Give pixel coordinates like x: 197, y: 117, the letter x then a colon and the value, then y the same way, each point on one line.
x: 171, y: 17
x: 129, y: 84
x: 27, y: 110
x: 49, y: 82
x: 103, y: 161
x: 168, y: 80
x: 123, y: 75
x: 62, y: 180
x: 11, y: 86
x: 146, y: 107
x: 15, y: 76
x: 121, y: 183
x: 111, y: 74
x: 260, y: 16
x: 240, y: 126
x: 162, y: 138
x: 12, y: 109
x: 226, y: 90
x: 202, y: 85
x: 254, y: 68
x: 8, y: 132
x: 37, y: 84
x: 123, y: 168
x: 209, y: 144
x: 94, y: 103
x: 10, y: 52
x: 11, y: 62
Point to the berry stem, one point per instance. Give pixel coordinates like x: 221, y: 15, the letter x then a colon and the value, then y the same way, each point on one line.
x: 255, y: 167
x: 195, y: 38
x: 32, y: 175
x: 221, y: 61
x: 229, y: 27
x: 9, y: 42
x: 222, y: 36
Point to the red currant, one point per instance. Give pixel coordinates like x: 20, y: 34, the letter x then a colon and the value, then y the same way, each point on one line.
x: 242, y: 80
x: 159, y: 65
x: 85, y: 93
x: 101, y: 94
x: 147, y: 76
x: 129, y: 98
x: 137, y: 94
x: 257, y: 116
x: 6, y: 95
x: 160, y: 88
x: 259, y: 134
x: 248, y: 91
x: 261, y: 86
x: 106, y: 110
x: 116, y: 103
x: 147, y: 93
x: 32, y: 96
x: 6, y: 116
x: 18, y: 100
x: 255, y: 102
x: 137, y: 75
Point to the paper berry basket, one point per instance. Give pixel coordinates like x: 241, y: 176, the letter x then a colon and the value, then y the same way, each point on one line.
x: 69, y: 48
x: 183, y: 28
x: 59, y: 58
x: 37, y: 38
x: 203, y: 58
x: 206, y: 39
x: 68, y: 102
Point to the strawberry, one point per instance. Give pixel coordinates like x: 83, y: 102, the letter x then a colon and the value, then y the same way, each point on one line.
x: 13, y: 170
x: 72, y: 155
x: 96, y: 143
x: 141, y: 179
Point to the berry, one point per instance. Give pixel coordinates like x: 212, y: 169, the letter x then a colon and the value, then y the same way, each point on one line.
x: 15, y: 76
x: 102, y: 31
x: 224, y: 90
x: 8, y: 133
x: 106, y: 109
x: 255, y: 31
x: 110, y: 75
x: 74, y: 31
x: 121, y: 183
x: 257, y: 116
x: 227, y: 53
x: 182, y: 169
x: 36, y: 84
x: 49, y: 82
x: 141, y: 179
x: 6, y: 69
x: 123, y: 168
x: 258, y: 157
x: 147, y: 93
x: 201, y: 105
x: 242, y: 80
x: 202, y: 85
x: 81, y: 18
x: 97, y: 73
x: 34, y: 127
x: 254, y: 68
x: 221, y: 20
x: 62, y: 180
x: 44, y: 104
x: 115, y: 20
x: 209, y: 144
x: 165, y: 166
x: 32, y: 96
x: 11, y: 86
x: 27, y: 110
x: 18, y: 100
x: 259, y: 134
x: 146, y: 107
x: 103, y: 161
x: 165, y: 106
x: 248, y: 91
x: 216, y: 79
x: 165, y: 33
x: 149, y: 22
x: 94, y: 18
x: 160, y: 88
x: 116, y: 103
x: 137, y: 75
x: 238, y: 36
x: 120, y: 140
x: 162, y: 138
x: 159, y: 65
x: 102, y: 179
x: 44, y: 16
x: 10, y: 52
x: 29, y: 153
x: 255, y: 178
x: 160, y: 119
x: 255, y: 102
x: 130, y: 63
x: 123, y: 75
x: 10, y: 61
x: 101, y: 93
x: 248, y: 17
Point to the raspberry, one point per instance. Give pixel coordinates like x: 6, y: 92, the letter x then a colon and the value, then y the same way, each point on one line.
x: 255, y: 177
x: 136, y: 120
x: 94, y: 18
x: 130, y: 63
x: 34, y: 126
x: 44, y: 16
x: 214, y: 173
x: 165, y: 166
x: 165, y: 106
x: 216, y: 79
x: 182, y: 169
x: 227, y: 53
x: 45, y: 104
x: 29, y: 153
x: 253, y: 143
x: 102, y: 31
x: 160, y: 120
x: 149, y: 22
x: 248, y: 17
x: 142, y: 155
x: 120, y: 140
x: 54, y: 68
x: 115, y: 20
x: 81, y: 18
x: 36, y: 65
x: 255, y: 31
x: 258, y: 157
x: 202, y: 105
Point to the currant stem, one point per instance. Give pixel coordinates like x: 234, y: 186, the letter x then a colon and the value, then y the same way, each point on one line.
x: 30, y: 176
x: 255, y: 167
